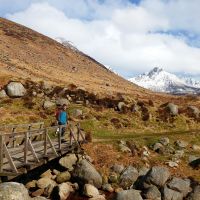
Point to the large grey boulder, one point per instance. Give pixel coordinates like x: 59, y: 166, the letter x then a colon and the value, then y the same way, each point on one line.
x: 48, y: 104
x: 121, y: 105
x: 68, y: 161
x: 13, y: 191
x: 195, y: 195
x: 15, y: 89
x: 62, y: 101
x: 128, y: 177
x: 43, y: 183
x: 193, y: 111
x: 64, y: 190
x: 180, y: 185
x: 164, y: 141
x: 157, y: 176
x: 117, y: 168
x: 63, y: 177
x: 128, y: 195
x: 86, y: 172
x: 152, y: 193
x: 172, y: 109
x: 3, y: 94
x: 169, y: 194
x: 90, y: 191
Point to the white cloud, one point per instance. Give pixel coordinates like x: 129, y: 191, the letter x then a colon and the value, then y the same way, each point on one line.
x: 119, y: 35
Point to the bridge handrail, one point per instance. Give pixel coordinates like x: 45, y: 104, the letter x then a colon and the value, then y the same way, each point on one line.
x: 21, y: 125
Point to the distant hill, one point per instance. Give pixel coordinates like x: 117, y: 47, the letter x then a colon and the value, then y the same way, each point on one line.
x: 25, y: 53
x: 159, y: 80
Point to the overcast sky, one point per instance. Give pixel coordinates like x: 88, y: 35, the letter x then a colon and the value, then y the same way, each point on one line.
x: 130, y: 36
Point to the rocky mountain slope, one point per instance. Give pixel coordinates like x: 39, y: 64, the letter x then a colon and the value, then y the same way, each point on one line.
x: 159, y: 80
x: 25, y: 53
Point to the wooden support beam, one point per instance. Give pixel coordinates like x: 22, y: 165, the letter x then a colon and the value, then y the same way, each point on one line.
x: 45, y: 142
x: 1, y: 153
x: 26, y: 148
x: 30, y: 147
x: 51, y: 145
x: 72, y: 136
x: 10, y: 160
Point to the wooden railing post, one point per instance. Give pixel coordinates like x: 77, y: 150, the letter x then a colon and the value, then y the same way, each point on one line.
x: 45, y: 141
x: 1, y: 153
x: 26, y: 148
x: 13, y: 136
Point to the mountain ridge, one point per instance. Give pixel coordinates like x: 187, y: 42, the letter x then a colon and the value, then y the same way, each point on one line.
x: 159, y: 80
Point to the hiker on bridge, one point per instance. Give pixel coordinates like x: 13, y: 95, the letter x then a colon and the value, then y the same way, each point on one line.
x: 63, y: 119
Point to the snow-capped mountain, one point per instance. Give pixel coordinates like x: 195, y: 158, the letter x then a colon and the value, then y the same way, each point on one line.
x: 159, y: 80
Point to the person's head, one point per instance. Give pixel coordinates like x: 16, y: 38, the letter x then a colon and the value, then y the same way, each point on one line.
x: 64, y: 107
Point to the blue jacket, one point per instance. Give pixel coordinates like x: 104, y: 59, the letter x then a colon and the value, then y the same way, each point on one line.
x: 62, y: 118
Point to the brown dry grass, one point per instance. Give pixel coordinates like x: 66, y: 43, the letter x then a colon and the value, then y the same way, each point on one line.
x: 105, y: 155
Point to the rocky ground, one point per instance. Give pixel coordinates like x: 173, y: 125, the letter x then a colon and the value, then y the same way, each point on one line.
x: 137, y: 149
x: 79, y: 178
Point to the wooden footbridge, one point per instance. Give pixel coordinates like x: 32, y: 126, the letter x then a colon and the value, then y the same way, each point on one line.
x: 26, y: 146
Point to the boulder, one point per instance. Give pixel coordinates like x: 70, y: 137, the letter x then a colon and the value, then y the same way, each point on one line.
x: 157, y: 176
x: 3, y: 94
x: 120, y: 106
x: 124, y: 148
x: 47, y: 174
x: 99, y: 197
x: 158, y: 147
x: 179, y: 154
x: 172, y: 164
x: 193, y: 111
x: 68, y: 161
x: 13, y: 191
x: 143, y: 171
x: 169, y: 194
x: 181, y: 144
x: 152, y: 193
x: 15, y: 89
x: 38, y: 192
x: 63, y: 177
x: 77, y: 113
x: 128, y: 195
x: 196, y: 147
x: 64, y: 190
x: 108, y: 188
x: 43, y: 183
x: 194, y: 161
x: 113, y: 177
x: 90, y: 190
x: 164, y: 141
x: 31, y: 184
x: 48, y: 104
x: 128, y: 177
x: 195, y: 195
x: 180, y: 185
x: 62, y: 101
x: 86, y: 172
x: 117, y: 168
x: 172, y: 109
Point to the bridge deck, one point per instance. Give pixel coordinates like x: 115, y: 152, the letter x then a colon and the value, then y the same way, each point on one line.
x: 24, y: 150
